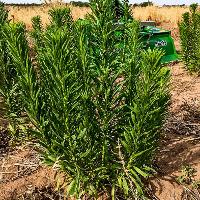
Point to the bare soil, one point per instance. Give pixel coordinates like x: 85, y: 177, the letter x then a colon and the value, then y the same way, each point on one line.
x: 180, y: 145
x: 23, y: 176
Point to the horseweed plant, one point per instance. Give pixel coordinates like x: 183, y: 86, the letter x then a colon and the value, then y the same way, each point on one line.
x: 190, y: 38
x: 96, y: 106
x: 9, y: 87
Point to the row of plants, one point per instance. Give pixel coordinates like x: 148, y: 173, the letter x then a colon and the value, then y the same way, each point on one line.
x: 189, y: 29
x: 94, y: 102
x: 80, y: 3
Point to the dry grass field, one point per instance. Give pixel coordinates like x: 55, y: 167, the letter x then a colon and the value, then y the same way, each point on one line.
x: 165, y: 17
x: 26, y: 13
x: 160, y: 15
x: 170, y: 15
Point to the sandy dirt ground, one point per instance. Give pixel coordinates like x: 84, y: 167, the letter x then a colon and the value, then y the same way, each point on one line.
x: 180, y: 145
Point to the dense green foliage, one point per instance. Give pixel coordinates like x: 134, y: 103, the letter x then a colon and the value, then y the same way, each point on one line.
x: 96, y: 107
x: 80, y: 3
x: 190, y: 38
x: 9, y: 87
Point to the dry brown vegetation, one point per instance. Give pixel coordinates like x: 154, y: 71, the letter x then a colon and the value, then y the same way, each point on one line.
x: 166, y: 17
x: 171, y: 15
x: 26, y: 13
x: 161, y: 15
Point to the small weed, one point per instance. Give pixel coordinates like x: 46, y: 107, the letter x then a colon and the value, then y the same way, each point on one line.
x: 188, y: 174
x: 196, y: 184
x: 190, y: 185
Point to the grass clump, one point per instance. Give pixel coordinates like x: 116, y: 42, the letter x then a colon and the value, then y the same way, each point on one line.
x: 96, y: 107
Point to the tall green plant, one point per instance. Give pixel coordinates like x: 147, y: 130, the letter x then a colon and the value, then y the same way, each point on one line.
x: 18, y: 51
x: 190, y: 38
x: 96, y: 106
x: 60, y: 17
x: 9, y: 87
x: 146, y: 110
x: 7, y: 73
x: 36, y: 33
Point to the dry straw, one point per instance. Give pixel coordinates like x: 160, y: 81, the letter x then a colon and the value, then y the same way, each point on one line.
x: 170, y: 15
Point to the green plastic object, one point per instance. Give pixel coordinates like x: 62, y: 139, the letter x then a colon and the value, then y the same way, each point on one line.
x: 153, y: 37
